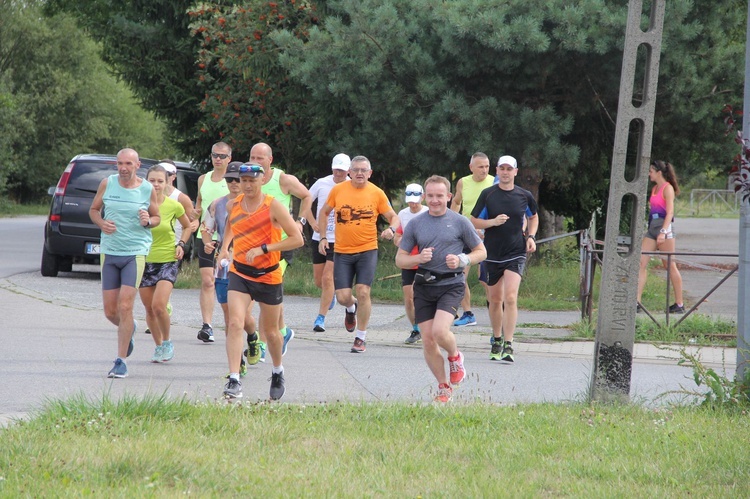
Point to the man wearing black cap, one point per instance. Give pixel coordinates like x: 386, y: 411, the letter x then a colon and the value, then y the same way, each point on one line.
x: 254, y: 225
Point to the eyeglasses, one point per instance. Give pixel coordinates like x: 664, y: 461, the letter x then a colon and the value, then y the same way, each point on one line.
x: 413, y: 193
x: 218, y: 155
x: 358, y: 170
x: 231, y: 179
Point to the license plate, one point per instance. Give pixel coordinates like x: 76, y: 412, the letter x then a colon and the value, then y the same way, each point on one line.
x: 92, y: 248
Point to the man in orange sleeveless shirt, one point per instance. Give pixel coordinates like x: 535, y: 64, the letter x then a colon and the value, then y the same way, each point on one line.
x: 254, y: 225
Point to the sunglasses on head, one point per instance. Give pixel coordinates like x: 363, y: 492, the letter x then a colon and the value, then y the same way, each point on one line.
x: 219, y: 155
x: 413, y: 193
x: 251, y: 169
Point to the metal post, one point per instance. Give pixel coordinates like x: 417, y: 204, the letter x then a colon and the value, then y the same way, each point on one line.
x: 743, y: 321
x: 615, y: 332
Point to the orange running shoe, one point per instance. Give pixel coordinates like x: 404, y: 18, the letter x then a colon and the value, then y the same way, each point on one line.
x: 444, y: 393
x: 456, y: 366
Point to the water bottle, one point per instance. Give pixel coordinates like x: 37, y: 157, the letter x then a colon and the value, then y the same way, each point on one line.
x: 222, y: 270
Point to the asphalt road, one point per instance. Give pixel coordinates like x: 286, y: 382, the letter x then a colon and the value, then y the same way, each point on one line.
x: 56, y: 343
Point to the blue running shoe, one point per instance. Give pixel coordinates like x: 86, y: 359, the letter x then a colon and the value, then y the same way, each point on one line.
x: 158, y: 353
x: 262, y: 351
x: 119, y: 370
x: 167, y: 351
x: 287, y: 338
x: 333, y: 302
x: 467, y: 319
x: 132, y: 343
x: 320, y: 324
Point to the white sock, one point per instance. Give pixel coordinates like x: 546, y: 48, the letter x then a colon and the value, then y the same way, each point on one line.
x: 360, y: 334
x: 277, y: 370
x: 351, y: 309
x: 234, y: 376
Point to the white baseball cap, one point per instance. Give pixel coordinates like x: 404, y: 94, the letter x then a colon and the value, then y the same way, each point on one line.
x: 341, y: 162
x: 507, y: 160
x: 171, y: 169
x: 413, y: 193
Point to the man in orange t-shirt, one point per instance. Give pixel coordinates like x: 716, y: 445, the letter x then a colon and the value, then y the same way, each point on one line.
x: 254, y: 224
x: 357, y: 204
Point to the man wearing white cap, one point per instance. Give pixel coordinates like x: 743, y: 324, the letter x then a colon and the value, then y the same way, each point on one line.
x: 323, y: 262
x: 500, y: 211
x: 414, y: 196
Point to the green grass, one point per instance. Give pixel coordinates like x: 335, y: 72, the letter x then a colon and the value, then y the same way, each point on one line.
x: 155, y: 447
x: 698, y: 329
x: 11, y: 209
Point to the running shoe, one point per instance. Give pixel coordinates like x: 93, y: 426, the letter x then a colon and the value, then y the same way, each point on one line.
x: 358, y: 346
x: 132, y: 342
x: 243, y: 368
x: 467, y: 319
x: 497, y: 350
x: 676, y: 309
x: 253, y: 349
x: 277, y: 386
x: 414, y: 337
x: 287, y: 338
x: 167, y: 351
x: 147, y: 331
x: 206, y: 334
x: 262, y: 351
x: 158, y: 354
x: 507, y: 355
x: 456, y: 367
x: 119, y: 370
x: 333, y: 302
x: 444, y: 393
x: 233, y: 389
x: 320, y: 324
x: 350, y: 319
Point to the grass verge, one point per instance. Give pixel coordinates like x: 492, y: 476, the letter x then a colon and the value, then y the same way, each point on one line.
x: 158, y: 447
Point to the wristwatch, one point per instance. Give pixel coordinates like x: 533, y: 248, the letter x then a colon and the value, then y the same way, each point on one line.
x: 302, y: 220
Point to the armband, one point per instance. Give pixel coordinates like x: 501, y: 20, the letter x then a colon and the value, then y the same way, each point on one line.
x: 464, y: 260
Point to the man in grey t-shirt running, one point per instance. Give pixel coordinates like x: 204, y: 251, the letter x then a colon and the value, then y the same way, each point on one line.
x: 440, y: 236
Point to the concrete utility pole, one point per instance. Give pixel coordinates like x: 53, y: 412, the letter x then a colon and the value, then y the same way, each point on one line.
x: 615, y: 332
x: 743, y: 321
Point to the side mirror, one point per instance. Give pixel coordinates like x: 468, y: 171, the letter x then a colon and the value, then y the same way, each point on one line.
x: 51, y: 191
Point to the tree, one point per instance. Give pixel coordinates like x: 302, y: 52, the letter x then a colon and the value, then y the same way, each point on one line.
x: 61, y: 102
x: 420, y: 85
x: 248, y: 95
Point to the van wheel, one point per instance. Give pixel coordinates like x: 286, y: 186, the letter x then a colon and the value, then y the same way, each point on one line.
x: 50, y: 264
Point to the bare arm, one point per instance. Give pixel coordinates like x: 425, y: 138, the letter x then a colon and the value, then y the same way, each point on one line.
x: 291, y: 185
x: 478, y: 254
x: 322, y: 222
x: 95, y: 212
x: 393, y: 224
x: 458, y: 196
x: 187, y: 203
x: 199, y: 200
x: 186, y: 231
x: 532, y: 229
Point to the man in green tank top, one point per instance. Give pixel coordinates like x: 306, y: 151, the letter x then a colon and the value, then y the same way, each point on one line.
x: 468, y: 189
x: 211, y: 186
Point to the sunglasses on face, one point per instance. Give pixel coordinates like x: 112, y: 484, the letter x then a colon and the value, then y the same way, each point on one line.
x: 413, y: 193
x: 219, y: 155
x: 232, y: 179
